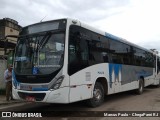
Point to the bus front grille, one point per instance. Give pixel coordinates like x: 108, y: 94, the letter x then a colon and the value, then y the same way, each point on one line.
x: 36, y: 96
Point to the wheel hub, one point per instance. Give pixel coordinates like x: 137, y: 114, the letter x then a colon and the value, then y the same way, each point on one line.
x: 97, y: 94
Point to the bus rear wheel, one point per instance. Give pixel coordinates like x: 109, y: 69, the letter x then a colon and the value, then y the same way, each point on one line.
x: 140, y: 89
x: 98, y: 96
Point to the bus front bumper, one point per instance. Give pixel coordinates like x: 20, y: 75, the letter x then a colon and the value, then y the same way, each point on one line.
x: 60, y: 95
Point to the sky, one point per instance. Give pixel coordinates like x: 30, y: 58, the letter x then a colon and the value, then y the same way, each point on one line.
x: 137, y: 21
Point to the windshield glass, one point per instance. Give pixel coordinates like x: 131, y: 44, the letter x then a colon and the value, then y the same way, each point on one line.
x: 39, y: 54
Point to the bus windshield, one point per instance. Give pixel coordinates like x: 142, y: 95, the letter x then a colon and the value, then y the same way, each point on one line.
x: 39, y: 54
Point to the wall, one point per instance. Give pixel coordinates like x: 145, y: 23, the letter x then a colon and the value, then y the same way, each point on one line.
x: 3, y: 67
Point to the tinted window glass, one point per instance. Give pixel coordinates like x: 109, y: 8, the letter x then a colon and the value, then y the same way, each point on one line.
x: 121, y: 53
x: 78, y: 50
x: 98, y: 49
x: 86, y: 48
x: 143, y: 58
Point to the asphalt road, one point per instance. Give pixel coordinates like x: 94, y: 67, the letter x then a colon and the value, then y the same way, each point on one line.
x: 127, y: 101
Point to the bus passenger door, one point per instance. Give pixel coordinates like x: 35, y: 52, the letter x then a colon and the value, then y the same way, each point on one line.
x: 78, y: 63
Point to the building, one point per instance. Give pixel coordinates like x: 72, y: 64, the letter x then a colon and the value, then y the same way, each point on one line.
x: 8, y: 27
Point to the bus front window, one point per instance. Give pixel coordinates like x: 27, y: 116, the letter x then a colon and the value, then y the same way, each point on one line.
x: 39, y: 54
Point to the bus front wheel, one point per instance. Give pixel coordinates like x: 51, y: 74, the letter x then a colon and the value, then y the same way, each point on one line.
x: 98, y: 95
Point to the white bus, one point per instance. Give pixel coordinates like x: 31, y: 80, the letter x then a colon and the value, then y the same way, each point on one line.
x: 64, y: 61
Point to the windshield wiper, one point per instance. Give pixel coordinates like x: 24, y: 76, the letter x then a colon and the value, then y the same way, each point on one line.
x: 44, y: 40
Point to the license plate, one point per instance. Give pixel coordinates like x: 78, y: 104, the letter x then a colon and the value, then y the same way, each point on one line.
x: 25, y: 87
x: 30, y: 99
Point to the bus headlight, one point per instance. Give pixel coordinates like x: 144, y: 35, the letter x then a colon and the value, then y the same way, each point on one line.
x: 57, y: 83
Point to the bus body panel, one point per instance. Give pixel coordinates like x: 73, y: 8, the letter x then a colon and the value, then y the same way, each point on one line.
x: 157, y: 70
x: 82, y: 82
x: 126, y: 77
x: 157, y: 79
x: 119, y: 78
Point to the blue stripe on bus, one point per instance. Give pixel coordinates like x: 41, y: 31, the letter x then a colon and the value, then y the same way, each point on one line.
x: 113, y: 37
x: 40, y: 89
x: 116, y: 68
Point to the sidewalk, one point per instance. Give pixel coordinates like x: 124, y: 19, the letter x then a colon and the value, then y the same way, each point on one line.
x: 4, y: 102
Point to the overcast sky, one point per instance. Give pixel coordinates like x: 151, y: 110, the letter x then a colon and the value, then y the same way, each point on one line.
x: 138, y: 21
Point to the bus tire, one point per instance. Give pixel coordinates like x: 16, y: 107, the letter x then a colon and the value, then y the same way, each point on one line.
x: 140, y: 89
x: 98, y: 95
